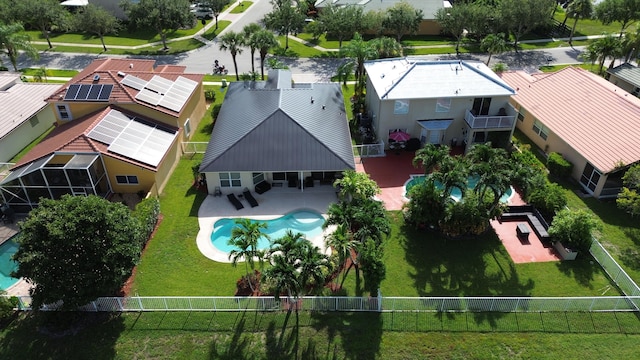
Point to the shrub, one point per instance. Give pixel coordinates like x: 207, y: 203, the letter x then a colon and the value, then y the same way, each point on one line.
x: 549, y: 199
x: 210, y: 95
x: 559, y: 166
x: 147, y: 212
x: 6, y: 306
x: 526, y: 157
x: 426, y: 206
x: 574, y: 229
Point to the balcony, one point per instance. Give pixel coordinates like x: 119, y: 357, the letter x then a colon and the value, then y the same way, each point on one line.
x: 502, y: 122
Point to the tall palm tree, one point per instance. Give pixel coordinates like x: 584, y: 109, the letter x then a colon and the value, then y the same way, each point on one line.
x: 12, y: 40
x: 313, y: 267
x: 341, y: 240
x: 603, y: 48
x: 430, y: 156
x: 578, y: 9
x: 631, y: 45
x: 494, y: 44
x: 340, y: 213
x: 359, y: 51
x: 248, y: 32
x: 452, y: 173
x: 370, y: 221
x: 263, y: 40
x: 287, y: 246
x: 386, y: 47
x: 232, y: 42
x: 244, y: 237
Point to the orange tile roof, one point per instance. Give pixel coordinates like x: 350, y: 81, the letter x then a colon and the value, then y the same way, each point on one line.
x: 593, y: 116
x: 72, y: 137
x: 108, y: 70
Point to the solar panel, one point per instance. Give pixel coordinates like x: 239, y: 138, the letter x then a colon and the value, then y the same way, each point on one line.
x: 94, y: 92
x: 149, y: 97
x: 72, y: 92
x: 159, y: 84
x: 83, y: 92
x: 134, y: 82
x: 105, y: 94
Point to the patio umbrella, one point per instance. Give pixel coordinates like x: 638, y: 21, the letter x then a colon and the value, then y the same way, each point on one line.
x: 399, y: 136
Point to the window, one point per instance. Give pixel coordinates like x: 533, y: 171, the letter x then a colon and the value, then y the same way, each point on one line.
x: 521, y: 113
x: 590, y: 177
x: 540, y: 129
x: 258, y: 178
x: 481, y: 106
x: 279, y: 176
x: 187, y: 127
x: 34, y: 121
x: 63, y: 112
x: 443, y: 105
x: 230, y: 179
x: 127, y: 179
x: 401, y: 107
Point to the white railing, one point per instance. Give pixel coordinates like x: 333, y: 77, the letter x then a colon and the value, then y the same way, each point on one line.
x: 194, y: 147
x: 369, y: 150
x: 488, y: 122
x: 4, y: 169
x: 357, y: 304
x: 613, y: 269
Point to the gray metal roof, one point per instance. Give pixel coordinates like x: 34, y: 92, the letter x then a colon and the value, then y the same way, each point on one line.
x: 628, y: 73
x: 275, y: 126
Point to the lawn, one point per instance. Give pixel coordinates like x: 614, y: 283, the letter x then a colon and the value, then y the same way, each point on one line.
x: 49, y: 72
x: 213, y: 32
x: 175, y: 47
x: 240, y: 8
x: 590, y: 26
x: 193, y: 336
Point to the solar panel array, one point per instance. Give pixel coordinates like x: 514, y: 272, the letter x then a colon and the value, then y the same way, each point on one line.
x: 88, y: 92
x: 133, y: 137
x: 160, y: 91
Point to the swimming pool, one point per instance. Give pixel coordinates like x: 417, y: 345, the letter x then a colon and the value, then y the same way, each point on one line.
x: 456, y: 194
x: 7, y: 265
x: 307, y: 222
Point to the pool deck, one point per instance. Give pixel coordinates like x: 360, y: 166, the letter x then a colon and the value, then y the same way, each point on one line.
x: 21, y: 288
x: 272, y: 204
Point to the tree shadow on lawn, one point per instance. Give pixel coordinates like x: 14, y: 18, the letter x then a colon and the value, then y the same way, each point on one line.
x: 88, y: 336
x: 467, y: 267
x: 583, y: 268
x: 360, y: 333
x: 238, y: 344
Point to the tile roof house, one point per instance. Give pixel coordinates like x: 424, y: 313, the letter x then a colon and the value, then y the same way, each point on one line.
x: 439, y: 102
x: 120, y: 124
x: 590, y: 121
x: 428, y: 26
x: 25, y: 113
x: 627, y: 77
x: 275, y: 132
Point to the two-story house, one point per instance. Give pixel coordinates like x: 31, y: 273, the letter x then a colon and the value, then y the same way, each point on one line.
x: 439, y: 102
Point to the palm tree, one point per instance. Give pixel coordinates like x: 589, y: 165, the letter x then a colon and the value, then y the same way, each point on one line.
x: 600, y: 49
x: 370, y: 221
x: 631, y: 45
x: 578, y: 9
x: 359, y: 51
x: 313, y: 267
x: 386, y: 47
x: 430, y: 156
x: 340, y: 213
x: 341, y: 240
x: 494, y: 44
x: 344, y: 70
x: 12, y: 40
x: 244, y: 237
x: 356, y: 185
x: 232, y: 42
x: 263, y: 40
x: 248, y: 32
x: 452, y: 173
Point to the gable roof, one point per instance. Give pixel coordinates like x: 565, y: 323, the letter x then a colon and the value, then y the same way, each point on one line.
x: 428, y: 7
x: 274, y: 126
x: 73, y: 137
x: 413, y: 78
x: 593, y: 116
x: 628, y: 73
x: 113, y: 71
x: 19, y: 101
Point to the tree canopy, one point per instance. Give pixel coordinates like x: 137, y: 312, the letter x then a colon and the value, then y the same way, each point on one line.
x: 624, y: 11
x: 12, y: 40
x: 286, y: 18
x: 342, y: 22
x: 77, y: 249
x: 521, y: 16
x: 96, y: 20
x: 629, y: 198
x: 163, y: 16
x: 402, y: 19
x: 43, y: 15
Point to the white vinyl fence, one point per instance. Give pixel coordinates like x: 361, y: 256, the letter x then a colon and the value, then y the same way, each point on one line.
x: 192, y: 147
x: 613, y: 269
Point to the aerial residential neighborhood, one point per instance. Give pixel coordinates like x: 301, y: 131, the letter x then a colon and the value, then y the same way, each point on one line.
x: 408, y: 179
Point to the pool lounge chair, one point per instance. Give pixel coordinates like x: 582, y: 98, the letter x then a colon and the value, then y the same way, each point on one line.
x: 234, y: 200
x: 249, y: 197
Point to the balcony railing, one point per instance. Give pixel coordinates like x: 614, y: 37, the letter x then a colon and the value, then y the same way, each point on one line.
x: 488, y: 121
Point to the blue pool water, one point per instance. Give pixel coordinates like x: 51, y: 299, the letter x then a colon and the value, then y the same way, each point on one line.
x: 455, y: 193
x: 6, y: 264
x: 306, y: 222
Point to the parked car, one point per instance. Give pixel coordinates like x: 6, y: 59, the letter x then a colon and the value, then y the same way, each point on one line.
x: 202, y: 12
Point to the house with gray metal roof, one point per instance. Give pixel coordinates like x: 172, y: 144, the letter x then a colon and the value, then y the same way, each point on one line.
x: 439, y: 102
x: 626, y: 77
x: 278, y: 133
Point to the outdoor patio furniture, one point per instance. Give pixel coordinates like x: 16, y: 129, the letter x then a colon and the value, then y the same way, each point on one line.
x: 249, y: 197
x: 262, y: 187
x: 308, y: 182
x: 234, y: 200
x: 217, y: 191
x: 523, y: 231
x: 7, y: 214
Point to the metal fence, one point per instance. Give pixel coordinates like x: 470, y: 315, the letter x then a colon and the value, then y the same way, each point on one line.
x: 369, y: 150
x: 359, y: 304
x: 613, y: 269
x: 192, y: 147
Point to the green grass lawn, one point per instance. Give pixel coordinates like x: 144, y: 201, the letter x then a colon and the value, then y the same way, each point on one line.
x: 49, y: 72
x: 296, y: 49
x: 192, y: 336
x: 241, y: 7
x: 589, y: 26
x: 175, y: 47
x: 213, y: 32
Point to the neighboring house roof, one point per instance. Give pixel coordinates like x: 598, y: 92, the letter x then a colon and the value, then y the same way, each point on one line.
x: 74, y: 137
x: 412, y: 78
x: 628, y: 73
x: 19, y: 101
x: 428, y: 7
x: 593, y: 116
x: 276, y: 126
x: 114, y: 71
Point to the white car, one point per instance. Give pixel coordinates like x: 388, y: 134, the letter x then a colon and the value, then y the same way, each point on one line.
x: 202, y: 12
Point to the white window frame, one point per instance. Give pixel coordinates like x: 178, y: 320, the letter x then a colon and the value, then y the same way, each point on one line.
x: 258, y: 177
x: 187, y: 127
x: 401, y: 107
x: 129, y: 180
x: 443, y: 105
x: 521, y: 114
x: 34, y: 121
x: 65, y: 110
x: 230, y: 179
x: 540, y: 129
